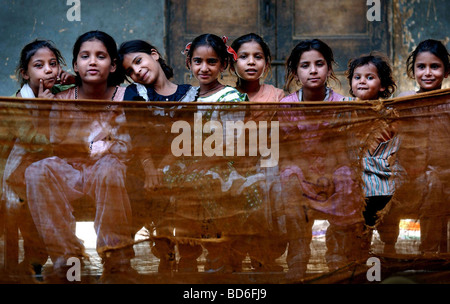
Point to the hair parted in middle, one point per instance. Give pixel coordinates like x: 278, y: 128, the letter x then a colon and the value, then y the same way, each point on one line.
x: 226, y: 54
x: 238, y: 42
x: 115, y: 78
x: 305, y: 46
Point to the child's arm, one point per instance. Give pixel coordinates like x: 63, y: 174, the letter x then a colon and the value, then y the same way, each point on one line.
x: 385, y: 135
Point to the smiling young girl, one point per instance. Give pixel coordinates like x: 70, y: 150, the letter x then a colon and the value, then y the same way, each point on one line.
x: 150, y: 73
x: 429, y: 65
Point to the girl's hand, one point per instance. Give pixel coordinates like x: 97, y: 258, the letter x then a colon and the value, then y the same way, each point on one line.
x: 153, y: 178
x: 66, y: 78
x: 385, y: 135
x: 44, y: 93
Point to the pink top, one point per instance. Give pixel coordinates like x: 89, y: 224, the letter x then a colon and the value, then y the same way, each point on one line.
x: 333, y: 96
x: 293, y: 121
x: 70, y: 94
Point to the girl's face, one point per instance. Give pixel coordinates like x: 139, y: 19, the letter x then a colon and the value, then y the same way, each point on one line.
x: 429, y: 71
x: 205, y: 65
x: 143, y: 68
x: 313, y: 70
x: 42, y: 65
x: 251, y: 62
x: 366, y: 85
x: 93, y: 62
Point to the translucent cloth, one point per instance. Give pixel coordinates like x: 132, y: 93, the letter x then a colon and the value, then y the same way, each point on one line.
x: 274, y: 197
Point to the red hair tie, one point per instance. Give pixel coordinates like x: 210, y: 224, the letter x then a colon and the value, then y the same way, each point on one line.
x: 186, y: 51
x: 229, y: 48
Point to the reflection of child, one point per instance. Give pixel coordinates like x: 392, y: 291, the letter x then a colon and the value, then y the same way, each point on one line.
x: 310, y: 177
x: 55, y: 182
x: 370, y: 78
x: 265, y: 244
x: 429, y: 65
x: 151, y: 75
x: 207, y: 57
x: 39, y: 72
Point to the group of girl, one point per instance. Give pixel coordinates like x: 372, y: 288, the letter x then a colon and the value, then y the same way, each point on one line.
x: 53, y: 182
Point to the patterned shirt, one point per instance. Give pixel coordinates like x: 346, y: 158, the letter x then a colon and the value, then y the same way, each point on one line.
x: 378, y: 175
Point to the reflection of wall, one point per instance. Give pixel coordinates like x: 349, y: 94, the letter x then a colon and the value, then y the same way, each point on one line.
x: 23, y: 21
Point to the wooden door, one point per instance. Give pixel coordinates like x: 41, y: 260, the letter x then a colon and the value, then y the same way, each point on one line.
x: 282, y: 23
x: 188, y: 19
x: 342, y: 24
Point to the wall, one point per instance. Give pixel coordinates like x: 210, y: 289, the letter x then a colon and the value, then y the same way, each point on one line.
x: 414, y: 21
x: 23, y: 21
x: 411, y: 21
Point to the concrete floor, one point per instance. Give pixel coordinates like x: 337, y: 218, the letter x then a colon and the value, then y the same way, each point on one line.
x: 146, y: 264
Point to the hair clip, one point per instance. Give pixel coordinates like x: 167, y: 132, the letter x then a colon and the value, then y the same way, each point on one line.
x: 229, y: 48
x: 186, y: 51
x: 186, y: 48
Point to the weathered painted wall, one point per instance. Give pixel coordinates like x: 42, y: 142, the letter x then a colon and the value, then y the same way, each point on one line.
x: 22, y: 21
x: 414, y: 21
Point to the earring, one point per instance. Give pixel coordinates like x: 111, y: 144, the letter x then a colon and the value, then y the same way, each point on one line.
x: 221, y: 75
x: 190, y: 74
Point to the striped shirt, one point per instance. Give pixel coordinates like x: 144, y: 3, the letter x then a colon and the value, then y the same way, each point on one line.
x: 378, y: 175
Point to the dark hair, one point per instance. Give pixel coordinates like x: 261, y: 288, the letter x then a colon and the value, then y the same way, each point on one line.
x: 140, y: 46
x: 115, y: 78
x: 304, y: 46
x: 213, y: 41
x: 435, y: 47
x: 258, y: 39
x: 384, y: 72
x: 29, y: 51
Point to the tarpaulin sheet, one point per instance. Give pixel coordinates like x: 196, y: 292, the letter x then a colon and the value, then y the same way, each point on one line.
x: 224, y: 188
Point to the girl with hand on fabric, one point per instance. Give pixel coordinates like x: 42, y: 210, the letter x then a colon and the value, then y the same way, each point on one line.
x: 370, y: 78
